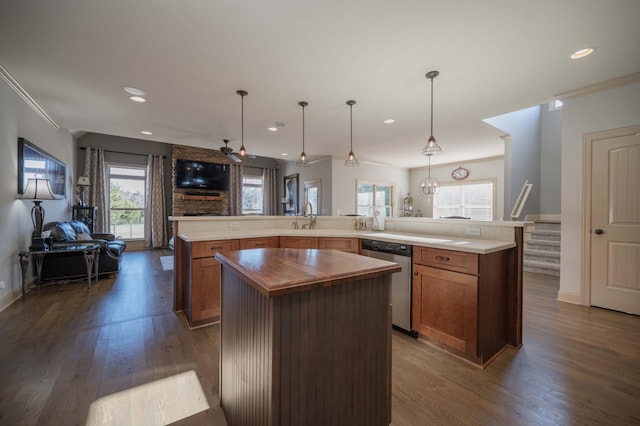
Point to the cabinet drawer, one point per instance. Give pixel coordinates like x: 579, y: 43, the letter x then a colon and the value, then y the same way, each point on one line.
x: 210, y: 248
x: 446, y: 259
x: 267, y: 242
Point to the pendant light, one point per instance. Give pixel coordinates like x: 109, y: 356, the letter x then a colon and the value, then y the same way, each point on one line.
x: 351, y: 159
x: 432, y: 147
x: 242, y: 93
x: 303, y: 161
x: 429, y: 185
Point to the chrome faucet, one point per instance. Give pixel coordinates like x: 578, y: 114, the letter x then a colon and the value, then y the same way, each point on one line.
x: 312, y: 218
x: 295, y: 223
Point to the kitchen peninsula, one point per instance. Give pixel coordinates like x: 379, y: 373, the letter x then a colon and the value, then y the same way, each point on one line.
x: 490, y: 274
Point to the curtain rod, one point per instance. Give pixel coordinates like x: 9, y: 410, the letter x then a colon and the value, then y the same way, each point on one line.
x: 120, y: 152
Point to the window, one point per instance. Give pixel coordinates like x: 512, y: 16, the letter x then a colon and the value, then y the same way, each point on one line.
x: 374, y: 194
x: 252, y: 195
x: 471, y: 200
x: 126, y: 201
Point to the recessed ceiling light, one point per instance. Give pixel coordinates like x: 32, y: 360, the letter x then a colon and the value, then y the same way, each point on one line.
x: 273, y: 129
x: 134, y: 91
x: 137, y: 99
x: 146, y: 132
x: 284, y: 154
x: 582, y: 53
x: 389, y: 121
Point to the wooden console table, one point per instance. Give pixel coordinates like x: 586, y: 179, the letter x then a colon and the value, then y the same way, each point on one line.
x: 305, y: 337
x: 90, y: 254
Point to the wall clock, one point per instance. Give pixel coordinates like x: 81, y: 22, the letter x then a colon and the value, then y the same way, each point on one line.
x: 460, y: 173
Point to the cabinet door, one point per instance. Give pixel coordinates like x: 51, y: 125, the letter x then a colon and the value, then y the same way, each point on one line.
x: 338, y: 243
x: 266, y: 242
x: 205, y: 290
x: 299, y: 242
x: 445, y: 308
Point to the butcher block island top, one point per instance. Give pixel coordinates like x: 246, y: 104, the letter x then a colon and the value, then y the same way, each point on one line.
x: 274, y: 271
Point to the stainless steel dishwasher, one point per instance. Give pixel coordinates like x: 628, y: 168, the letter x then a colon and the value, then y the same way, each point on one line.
x: 400, y: 281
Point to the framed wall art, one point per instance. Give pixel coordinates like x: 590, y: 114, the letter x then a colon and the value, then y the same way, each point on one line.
x: 33, y: 161
x: 290, y: 203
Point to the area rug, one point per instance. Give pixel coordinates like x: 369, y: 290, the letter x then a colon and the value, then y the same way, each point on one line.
x: 157, y: 403
x: 167, y: 263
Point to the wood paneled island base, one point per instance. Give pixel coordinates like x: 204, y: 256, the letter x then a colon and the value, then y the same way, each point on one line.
x: 305, y: 337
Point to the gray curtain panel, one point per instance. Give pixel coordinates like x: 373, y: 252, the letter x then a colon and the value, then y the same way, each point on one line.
x: 95, y: 168
x: 270, y: 196
x: 155, y: 222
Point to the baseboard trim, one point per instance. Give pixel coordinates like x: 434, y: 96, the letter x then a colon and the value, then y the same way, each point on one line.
x: 8, y: 299
x: 564, y: 296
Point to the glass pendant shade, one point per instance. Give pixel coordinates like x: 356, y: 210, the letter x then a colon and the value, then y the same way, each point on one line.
x: 303, y: 161
x: 351, y: 160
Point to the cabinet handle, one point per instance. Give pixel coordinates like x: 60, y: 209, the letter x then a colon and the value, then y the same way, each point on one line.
x: 415, y: 273
x: 442, y: 258
x: 260, y: 244
x: 217, y: 248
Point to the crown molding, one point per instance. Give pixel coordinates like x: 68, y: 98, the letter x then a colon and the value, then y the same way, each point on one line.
x: 603, y: 85
x: 20, y: 91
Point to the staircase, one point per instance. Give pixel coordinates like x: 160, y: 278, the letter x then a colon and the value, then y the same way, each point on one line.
x: 542, y: 250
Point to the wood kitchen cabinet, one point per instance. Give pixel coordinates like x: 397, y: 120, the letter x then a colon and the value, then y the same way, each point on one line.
x: 259, y: 242
x: 350, y: 245
x: 461, y: 301
x: 201, y: 276
x: 299, y: 242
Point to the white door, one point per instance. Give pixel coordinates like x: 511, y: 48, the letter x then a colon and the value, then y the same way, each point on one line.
x: 615, y: 224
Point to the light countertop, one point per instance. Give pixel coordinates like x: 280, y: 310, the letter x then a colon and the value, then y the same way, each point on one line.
x: 464, y: 244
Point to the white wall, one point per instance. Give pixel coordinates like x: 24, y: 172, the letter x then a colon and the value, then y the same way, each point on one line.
x: 17, y: 119
x: 344, y: 184
x: 550, y: 160
x: 490, y: 168
x: 317, y: 170
x: 603, y: 110
x: 522, y: 157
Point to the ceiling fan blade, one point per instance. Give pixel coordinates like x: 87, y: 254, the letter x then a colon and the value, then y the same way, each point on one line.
x: 234, y: 158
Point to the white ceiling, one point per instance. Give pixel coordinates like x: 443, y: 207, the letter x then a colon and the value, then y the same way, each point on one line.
x: 75, y: 56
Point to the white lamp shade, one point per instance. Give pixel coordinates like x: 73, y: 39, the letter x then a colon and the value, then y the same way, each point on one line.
x: 83, y: 181
x: 38, y: 189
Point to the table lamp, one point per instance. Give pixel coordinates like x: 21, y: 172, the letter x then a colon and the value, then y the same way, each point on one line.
x: 37, y: 190
x: 83, y: 181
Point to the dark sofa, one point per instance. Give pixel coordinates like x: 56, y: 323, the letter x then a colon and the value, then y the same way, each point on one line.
x: 62, y: 266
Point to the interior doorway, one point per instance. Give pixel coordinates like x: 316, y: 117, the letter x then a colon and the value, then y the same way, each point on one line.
x: 612, y: 228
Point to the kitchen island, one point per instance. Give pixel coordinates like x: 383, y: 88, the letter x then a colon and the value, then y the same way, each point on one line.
x: 305, y: 337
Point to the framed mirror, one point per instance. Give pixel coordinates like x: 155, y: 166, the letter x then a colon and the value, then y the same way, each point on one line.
x: 33, y: 160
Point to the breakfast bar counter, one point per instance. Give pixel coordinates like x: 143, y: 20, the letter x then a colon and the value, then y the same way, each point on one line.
x: 305, y: 335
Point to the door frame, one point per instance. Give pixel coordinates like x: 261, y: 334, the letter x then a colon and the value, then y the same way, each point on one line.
x: 588, y: 140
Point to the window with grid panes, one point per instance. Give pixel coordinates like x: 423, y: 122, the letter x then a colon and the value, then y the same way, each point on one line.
x: 473, y: 200
x: 374, y: 194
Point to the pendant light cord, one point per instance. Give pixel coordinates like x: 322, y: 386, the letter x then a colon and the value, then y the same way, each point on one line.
x: 303, y: 128
x: 351, y: 124
x: 431, y: 107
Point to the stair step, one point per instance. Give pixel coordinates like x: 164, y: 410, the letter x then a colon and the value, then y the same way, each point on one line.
x: 542, y: 268
x: 544, y: 257
x: 546, y: 235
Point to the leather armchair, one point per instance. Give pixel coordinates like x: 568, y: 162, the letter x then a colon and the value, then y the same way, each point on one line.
x: 61, y: 266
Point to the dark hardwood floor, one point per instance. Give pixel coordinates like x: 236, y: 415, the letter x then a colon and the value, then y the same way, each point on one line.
x: 66, y: 346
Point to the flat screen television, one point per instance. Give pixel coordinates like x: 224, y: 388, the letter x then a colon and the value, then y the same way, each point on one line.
x: 202, y: 176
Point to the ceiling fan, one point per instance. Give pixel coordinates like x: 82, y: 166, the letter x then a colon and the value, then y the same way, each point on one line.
x: 228, y: 152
